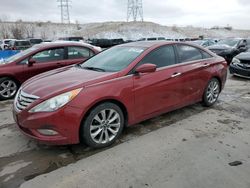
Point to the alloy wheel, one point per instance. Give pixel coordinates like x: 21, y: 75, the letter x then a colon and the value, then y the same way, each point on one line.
x: 105, y: 126
x: 8, y: 88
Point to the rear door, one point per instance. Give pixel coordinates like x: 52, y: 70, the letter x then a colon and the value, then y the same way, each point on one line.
x: 161, y: 90
x: 196, y: 66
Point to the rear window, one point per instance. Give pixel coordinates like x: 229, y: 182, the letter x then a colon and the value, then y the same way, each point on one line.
x: 188, y: 53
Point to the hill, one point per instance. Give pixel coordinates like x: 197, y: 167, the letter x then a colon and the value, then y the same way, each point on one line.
x: 125, y: 30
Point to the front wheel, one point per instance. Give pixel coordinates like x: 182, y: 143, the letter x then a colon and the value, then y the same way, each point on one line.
x: 8, y: 88
x: 103, y: 125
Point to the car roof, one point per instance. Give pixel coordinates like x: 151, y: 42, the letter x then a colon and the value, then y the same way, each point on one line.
x: 62, y: 43
x: 148, y: 44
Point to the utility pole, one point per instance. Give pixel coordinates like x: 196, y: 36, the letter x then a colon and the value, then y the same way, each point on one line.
x: 64, y: 6
x: 135, y: 10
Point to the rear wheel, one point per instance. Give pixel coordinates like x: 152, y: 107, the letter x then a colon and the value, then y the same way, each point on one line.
x: 212, y: 92
x: 103, y: 125
x: 8, y: 88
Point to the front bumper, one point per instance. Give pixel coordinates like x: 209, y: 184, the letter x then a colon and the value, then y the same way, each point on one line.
x: 238, y: 71
x: 65, y: 121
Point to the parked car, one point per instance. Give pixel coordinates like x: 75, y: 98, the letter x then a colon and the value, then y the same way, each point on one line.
x: 204, y: 43
x: 4, y: 44
x: 37, y: 59
x: 240, y: 65
x: 228, y: 48
x: 19, y: 44
x: 121, y: 86
x: 77, y: 39
x: 152, y: 39
x: 34, y: 41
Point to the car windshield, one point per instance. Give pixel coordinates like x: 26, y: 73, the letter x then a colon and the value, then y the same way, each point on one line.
x: 114, y: 59
x: 229, y: 42
x: 19, y: 55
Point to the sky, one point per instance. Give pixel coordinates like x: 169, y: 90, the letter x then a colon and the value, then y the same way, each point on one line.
x: 201, y: 13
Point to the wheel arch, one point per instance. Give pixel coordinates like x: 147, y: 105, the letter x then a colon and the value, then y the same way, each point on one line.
x: 12, y: 78
x: 114, y: 101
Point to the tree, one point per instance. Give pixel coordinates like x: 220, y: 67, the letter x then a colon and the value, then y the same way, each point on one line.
x: 18, y: 29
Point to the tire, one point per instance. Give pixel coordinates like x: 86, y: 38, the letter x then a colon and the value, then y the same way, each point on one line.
x: 211, y: 92
x: 103, y: 125
x: 8, y: 88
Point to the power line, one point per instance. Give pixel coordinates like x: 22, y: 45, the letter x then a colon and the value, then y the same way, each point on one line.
x: 64, y: 6
x: 135, y: 10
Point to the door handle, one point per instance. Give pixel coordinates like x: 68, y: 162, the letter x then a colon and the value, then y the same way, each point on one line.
x: 206, y: 65
x: 176, y: 74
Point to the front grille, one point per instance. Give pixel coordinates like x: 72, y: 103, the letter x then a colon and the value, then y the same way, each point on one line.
x: 245, y: 64
x: 24, y: 100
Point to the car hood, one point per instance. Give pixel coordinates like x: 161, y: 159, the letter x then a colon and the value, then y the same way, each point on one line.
x: 62, y: 80
x: 220, y: 47
x: 244, y: 56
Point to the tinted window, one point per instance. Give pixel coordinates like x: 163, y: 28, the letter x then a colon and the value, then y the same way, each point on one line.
x: 188, y: 53
x: 161, y: 57
x: 49, y: 55
x: 205, y: 55
x: 79, y: 52
x: 36, y: 41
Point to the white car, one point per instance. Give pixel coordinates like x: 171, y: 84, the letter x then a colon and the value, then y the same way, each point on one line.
x: 5, y: 43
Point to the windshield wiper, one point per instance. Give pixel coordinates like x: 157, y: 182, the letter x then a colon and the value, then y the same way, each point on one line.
x: 94, y: 69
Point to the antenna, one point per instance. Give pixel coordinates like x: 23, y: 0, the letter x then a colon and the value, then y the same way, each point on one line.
x: 64, y: 6
x: 135, y: 10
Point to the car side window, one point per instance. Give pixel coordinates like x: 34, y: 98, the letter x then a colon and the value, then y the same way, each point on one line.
x: 161, y: 57
x: 48, y: 55
x: 188, y: 53
x: 75, y: 52
x: 205, y: 55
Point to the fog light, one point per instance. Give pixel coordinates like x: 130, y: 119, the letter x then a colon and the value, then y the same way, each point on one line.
x: 47, y: 132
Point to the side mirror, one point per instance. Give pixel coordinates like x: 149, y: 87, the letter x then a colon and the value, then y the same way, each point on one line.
x: 31, y: 62
x: 146, y: 68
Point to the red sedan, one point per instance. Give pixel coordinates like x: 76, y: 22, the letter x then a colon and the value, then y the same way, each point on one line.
x: 121, y: 86
x: 40, y: 58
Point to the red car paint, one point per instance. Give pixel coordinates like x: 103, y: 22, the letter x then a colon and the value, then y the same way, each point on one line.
x: 141, y: 96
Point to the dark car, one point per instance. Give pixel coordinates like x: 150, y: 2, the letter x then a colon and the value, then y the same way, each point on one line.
x: 240, y: 65
x: 37, y: 59
x: 76, y: 39
x: 34, y: 41
x: 124, y: 85
x: 19, y: 44
x: 204, y: 43
x: 228, y: 48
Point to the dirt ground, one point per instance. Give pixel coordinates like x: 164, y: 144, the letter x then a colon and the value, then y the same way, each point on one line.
x: 22, y: 159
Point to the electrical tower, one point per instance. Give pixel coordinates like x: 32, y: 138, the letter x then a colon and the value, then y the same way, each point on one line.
x: 135, y: 10
x: 64, y: 6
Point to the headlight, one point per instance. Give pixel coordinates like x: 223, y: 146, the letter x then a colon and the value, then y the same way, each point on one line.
x: 55, y: 103
x: 235, y: 61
